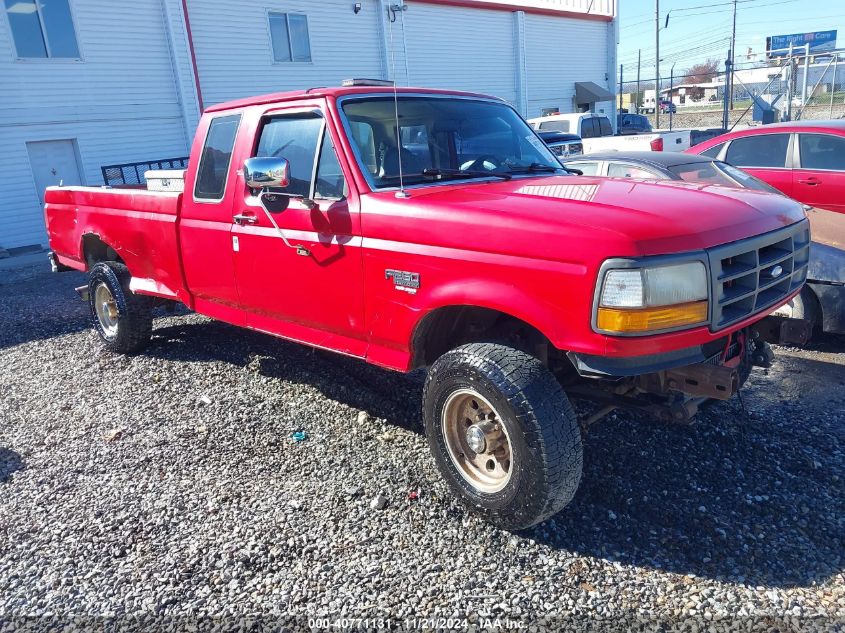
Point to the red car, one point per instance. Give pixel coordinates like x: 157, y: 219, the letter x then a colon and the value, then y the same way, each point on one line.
x: 425, y: 228
x: 804, y: 159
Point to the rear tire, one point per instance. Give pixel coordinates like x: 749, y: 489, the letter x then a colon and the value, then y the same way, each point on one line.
x: 503, y: 434
x: 122, y: 319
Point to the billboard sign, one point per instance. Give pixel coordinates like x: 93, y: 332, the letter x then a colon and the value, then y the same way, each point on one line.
x: 819, y: 41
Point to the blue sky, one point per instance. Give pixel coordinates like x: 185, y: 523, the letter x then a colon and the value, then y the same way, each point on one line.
x: 699, y: 29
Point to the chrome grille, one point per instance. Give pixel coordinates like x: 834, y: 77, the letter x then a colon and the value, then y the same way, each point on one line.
x: 751, y: 275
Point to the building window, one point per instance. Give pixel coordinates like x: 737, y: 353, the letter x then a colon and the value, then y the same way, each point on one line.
x: 289, y: 37
x: 42, y: 28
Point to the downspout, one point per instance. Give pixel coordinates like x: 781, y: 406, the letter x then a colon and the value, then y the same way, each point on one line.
x: 177, y: 75
x: 190, y: 36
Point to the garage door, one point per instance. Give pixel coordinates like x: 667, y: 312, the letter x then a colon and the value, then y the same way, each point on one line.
x: 459, y: 49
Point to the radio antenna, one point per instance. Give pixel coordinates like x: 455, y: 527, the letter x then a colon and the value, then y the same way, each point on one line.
x: 391, y: 15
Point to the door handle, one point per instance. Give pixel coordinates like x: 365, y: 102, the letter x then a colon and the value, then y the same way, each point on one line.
x: 243, y: 218
x: 812, y: 180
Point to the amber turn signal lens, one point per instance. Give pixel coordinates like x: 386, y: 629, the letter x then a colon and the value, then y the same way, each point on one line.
x: 625, y: 320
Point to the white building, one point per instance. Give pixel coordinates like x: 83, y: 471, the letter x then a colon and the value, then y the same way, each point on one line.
x: 90, y: 83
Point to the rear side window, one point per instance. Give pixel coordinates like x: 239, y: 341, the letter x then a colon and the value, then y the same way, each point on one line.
x: 586, y: 168
x: 621, y: 170
x: 822, y: 151
x: 760, y: 150
x: 604, y: 127
x: 215, y: 158
x: 713, y: 152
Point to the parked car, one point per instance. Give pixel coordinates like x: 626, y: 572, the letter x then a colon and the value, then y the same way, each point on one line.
x: 627, y: 123
x: 822, y: 300
x: 667, y: 106
x: 474, y: 254
x: 597, y: 133
x: 803, y: 159
x: 664, y: 104
x: 562, y: 144
x: 666, y: 166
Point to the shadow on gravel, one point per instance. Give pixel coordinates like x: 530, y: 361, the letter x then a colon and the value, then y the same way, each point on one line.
x: 37, y: 305
x: 10, y: 462
x: 754, y: 500
x: 735, y: 498
x: 388, y: 395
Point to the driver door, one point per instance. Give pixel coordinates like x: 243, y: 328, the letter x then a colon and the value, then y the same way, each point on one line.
x: 310, y: 291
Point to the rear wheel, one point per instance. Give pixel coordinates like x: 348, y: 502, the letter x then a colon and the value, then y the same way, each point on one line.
x: 122, y: 319
x: 503, y: 433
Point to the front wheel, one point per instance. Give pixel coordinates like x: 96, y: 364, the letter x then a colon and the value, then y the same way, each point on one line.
x: 122, y: 319
x: 503, y: 433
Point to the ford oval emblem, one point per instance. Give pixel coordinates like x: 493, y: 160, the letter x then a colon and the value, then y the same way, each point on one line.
x: 777, y: 271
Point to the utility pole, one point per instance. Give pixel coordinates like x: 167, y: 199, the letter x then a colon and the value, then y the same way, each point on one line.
x: 833, y: 83
x: 620, y: 87
x: 657, y: 63
x: 733, y: 53
x: 725, y: 99
x: 671, y: 89
x: 639, y: 54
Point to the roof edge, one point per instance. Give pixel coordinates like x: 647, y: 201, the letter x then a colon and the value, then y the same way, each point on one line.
x: 495, y: 5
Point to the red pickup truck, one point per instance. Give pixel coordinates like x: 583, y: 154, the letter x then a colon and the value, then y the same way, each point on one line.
x: 426, y: 228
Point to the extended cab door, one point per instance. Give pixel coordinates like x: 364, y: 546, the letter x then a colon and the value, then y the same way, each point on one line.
x: 819, y: 174
x: 764, y: 156
x: 205, y: 221
x: 313, y: 291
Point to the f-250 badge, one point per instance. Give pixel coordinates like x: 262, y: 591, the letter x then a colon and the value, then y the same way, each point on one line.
x: 403, y: 280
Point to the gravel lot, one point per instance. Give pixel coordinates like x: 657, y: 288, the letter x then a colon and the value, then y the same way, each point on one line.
x: 168, y: 485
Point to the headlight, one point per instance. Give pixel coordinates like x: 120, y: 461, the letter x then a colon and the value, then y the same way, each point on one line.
x: 652, y: 298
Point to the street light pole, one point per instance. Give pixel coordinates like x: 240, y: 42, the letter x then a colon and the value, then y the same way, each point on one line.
x: 657, y: 63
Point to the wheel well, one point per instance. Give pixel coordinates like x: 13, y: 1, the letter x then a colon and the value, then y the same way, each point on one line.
x: 448, y: 327
x: 95, y: 250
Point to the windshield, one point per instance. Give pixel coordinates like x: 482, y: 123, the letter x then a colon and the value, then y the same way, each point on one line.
x: 442, y: 138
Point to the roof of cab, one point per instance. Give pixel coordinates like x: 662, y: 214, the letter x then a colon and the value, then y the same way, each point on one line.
x: 335, y: 92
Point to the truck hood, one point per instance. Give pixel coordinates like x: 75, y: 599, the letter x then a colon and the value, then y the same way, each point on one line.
x: 632, y: 217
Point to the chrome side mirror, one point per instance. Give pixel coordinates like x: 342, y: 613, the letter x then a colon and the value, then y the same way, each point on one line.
x: 269, y: 171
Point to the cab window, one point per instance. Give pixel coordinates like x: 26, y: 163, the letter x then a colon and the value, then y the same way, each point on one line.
x: 302, y: 140
x: 213, y: 169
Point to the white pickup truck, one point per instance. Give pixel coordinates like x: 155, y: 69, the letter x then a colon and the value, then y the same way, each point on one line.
x: 597, y: 134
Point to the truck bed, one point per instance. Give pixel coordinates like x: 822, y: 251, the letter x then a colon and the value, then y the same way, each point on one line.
x: 141, y: 227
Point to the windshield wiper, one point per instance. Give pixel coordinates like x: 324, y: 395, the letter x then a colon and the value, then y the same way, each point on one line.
x: 433, y: 172
x: 535, y: 167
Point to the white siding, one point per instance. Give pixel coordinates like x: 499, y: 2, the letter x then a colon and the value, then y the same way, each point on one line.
x: 235, y: 57
x: 120, y: 104
x: 560, y: 51
x: 133, y: 98
x: 459, y: 49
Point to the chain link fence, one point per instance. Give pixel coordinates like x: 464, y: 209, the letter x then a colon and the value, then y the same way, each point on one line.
x: 698, y: 99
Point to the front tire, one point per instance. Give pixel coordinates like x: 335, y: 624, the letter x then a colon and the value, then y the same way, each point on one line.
x: 122, y: 319
x: 503, y: 433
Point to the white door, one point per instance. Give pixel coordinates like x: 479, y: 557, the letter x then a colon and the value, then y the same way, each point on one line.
x: 53, y: 162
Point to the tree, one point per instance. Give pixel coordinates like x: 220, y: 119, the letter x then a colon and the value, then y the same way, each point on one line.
x: 702, y: 72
